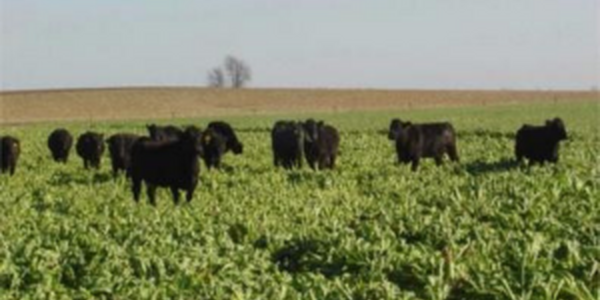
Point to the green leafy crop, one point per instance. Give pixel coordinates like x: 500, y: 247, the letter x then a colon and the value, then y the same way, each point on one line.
x: 486, y: 228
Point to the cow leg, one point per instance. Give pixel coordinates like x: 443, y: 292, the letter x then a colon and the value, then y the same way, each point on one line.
x: 415, y: 164
x: 332, y: 162
x: 12, y: 169
x: 190, y: 193
x: 85, y: 164
x: 136, y: 188
x: 151, y: 191
x: 438, y: 160
x: 321, y: 163
x: 453, y: 153
x: 175, y: 193
x: 327, y: 162
x: 312, y: 164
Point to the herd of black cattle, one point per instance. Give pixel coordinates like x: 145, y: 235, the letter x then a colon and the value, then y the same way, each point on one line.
x: 168, y: 157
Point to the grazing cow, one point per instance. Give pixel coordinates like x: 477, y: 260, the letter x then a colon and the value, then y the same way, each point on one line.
x: 217, y: 140
x: 10, y: 148
x: 416, y: 141
x: 90, y: 147
x: 172, y: 164
x: 231, y: 141
x: 164, y: 133
x: 287, y: 138
x: 119, y: 148
x: 60, y: 142
x: 540, y: 143
x: 321, y: 143
x: 214, y: 145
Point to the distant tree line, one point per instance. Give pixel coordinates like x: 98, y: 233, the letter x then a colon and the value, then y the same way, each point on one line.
x: 234, y: 73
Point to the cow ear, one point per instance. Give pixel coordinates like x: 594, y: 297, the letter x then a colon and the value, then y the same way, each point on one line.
x: 321, y: 124
x: 407, y: 124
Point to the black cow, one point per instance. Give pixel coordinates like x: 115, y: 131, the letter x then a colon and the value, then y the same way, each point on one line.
x: 164, y: 133
x: 10, y: 148
x: 416, y: 141
x: 540, y: 143
x: 231, y: 140
x: 60, y: 142
x: 172, y: 164
x: 119, y: 148
x: 321, y: 143
x: 287, y: 141
x: 214, y: 145
x: 90, y: 147
x: 217, y: 140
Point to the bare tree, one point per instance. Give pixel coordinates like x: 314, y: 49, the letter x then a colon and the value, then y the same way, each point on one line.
x: 216, y: 78
x: 238, y: 71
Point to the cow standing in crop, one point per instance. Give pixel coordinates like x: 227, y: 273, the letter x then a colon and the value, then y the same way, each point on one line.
x: 60, y: 142
x: 172, y: 164
x: 90, y: 147
x: 218, y: 139
x: 321, y: 143
x: 287, y: 142
x: 119, y: 148
x: 416, y: 141
x: 10, y: 149
x: 540, y: 144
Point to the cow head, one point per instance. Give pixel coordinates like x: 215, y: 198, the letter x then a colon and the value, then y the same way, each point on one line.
x: 237, y: 147
x: 311, y: 130
x: 193, y: 136
x: 558, y: 128
x: 232, y: 141
x: 151, y: 130
x: 395, y: 129
x: 398, y: 129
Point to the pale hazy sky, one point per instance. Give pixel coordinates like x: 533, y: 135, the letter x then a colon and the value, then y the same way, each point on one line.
x: 463, y: 44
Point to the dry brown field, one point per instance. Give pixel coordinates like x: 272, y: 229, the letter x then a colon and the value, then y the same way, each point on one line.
x: 19, y: 107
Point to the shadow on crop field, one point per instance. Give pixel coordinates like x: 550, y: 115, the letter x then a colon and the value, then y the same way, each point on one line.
x: 481, y: 167
x: 62, y: 178
x: 301, y: 255
x: 408, y: 277
x: 309, y: 255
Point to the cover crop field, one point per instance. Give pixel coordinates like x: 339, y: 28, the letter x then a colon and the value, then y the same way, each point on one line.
x: 482, y: 229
